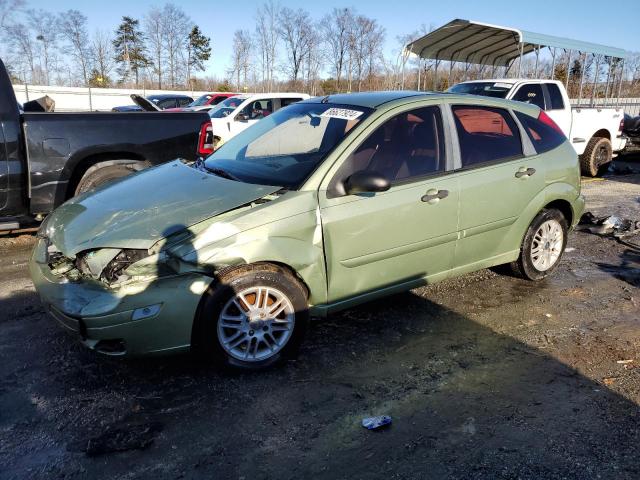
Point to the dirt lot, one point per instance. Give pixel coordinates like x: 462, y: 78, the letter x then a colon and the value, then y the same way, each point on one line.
x: 486, y: 376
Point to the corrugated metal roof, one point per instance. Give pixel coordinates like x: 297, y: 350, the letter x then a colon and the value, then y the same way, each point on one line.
x: 483, y: 43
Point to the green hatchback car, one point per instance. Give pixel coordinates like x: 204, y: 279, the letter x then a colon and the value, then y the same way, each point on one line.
x: 323, y: 205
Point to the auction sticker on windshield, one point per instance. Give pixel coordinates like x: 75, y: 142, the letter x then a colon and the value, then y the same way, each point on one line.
x: 342, y: 113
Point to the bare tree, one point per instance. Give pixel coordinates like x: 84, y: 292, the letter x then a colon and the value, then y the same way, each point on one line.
x: 155, y: 33
x: 45, y: 28
x: 73, y: 28
x: 241, y: 57
x: 102, y: 48
x: 295, y: 30
x: 267, y: 40
x: 335, y: 28
x: 8, y: 8
x: 176, y: 31
x: 22, y: 44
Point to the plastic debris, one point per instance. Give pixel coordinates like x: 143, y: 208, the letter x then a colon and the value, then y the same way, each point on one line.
x: 624, y: 361
x: 570, y: 249
x: 610, y: 225
x: 373, y: 423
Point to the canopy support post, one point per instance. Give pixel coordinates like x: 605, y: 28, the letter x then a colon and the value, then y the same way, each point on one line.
x: 535, y: 70
x: 620, y: 86
x: 553, y: 63
x: 520, y: 61
x: 584, y: 64
x: 419, y: 71
x: 606, y: 88
x: 596, y: 74
x: 568, y: 72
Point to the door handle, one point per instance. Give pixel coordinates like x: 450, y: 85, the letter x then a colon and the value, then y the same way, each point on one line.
x: 525, y: 172
x: 434, y: 196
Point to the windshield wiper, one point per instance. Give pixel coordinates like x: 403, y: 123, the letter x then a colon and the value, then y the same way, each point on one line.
x: 222, y: 173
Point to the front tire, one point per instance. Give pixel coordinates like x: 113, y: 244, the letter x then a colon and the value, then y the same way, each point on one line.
x: 255, y: 317
x: 542, y: 246
x: 105, y: 172
x: 599, y: 152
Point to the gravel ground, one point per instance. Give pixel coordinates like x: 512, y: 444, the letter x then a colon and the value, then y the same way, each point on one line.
x: 485, y: 376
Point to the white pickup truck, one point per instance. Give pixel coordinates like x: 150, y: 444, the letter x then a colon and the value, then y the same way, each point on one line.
x: 595, y: 133
x: 235, y: 114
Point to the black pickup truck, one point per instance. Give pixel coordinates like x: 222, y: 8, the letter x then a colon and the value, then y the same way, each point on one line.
x: 46, y: 158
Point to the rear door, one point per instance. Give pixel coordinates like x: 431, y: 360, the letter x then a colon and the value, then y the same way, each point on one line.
x: 497, y: 181
x: 405, y: 235
x: 556, y: 108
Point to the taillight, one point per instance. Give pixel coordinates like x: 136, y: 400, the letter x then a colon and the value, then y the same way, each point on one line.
x: 205, y: 143
x: 547, y: 120
x: 621, y: 127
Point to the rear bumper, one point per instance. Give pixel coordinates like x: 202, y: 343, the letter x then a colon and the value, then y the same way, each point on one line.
x: 618, y: 143
x: 102, y: 318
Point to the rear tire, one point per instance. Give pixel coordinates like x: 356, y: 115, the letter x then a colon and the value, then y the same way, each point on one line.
x: 238, y: 326
x: 599, y: 152
x: 105, y: 172
x: 542, y: 246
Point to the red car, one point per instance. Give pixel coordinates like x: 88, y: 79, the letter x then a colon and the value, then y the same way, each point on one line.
x: 205, y: 102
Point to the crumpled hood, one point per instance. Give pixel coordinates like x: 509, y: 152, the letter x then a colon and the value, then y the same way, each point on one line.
x: 141, y: 209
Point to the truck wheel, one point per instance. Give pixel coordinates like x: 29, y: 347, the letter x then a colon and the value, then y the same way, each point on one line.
x: 255, y: 317
x: 105, y: 172
x: 542, y: 246
x: 598, y: 152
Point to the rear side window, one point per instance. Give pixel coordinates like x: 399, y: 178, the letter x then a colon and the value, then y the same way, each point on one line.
x: 531, y: 93
x: 288, y: 101
x: 557, y: 103
x: 543, y: 137
x: 486, y: 134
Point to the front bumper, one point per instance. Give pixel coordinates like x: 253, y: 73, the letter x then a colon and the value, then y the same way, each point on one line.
x: 102, y: 317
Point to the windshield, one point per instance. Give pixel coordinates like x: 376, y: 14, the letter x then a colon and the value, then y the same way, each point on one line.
x: 200, y: 101
x: 486, y: 89
x: 284, y: 148
x: 226, y: 107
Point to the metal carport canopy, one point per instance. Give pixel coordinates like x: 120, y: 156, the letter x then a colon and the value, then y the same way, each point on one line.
x: 483, y: 43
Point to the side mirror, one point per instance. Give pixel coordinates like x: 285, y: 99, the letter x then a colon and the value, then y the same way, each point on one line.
x: 242, y: 117
x: 366, y: 181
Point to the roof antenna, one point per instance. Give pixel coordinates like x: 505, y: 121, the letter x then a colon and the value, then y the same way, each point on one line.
x: 325, y: 99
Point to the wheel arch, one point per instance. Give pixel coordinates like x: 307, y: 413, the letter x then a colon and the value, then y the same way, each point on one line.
x: 564, y: 207
x: 108, y: 158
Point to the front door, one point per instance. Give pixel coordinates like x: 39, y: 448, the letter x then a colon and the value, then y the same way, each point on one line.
x: 404, y: 236
x: 253, y: 112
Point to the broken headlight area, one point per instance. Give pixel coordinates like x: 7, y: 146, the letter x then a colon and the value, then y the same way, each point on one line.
x: 108, y: 264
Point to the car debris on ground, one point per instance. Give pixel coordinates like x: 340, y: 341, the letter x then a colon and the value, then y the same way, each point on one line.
x: 373, y: 423
x: 616, y: 227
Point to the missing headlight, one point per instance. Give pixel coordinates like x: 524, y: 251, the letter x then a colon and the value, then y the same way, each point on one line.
x: 114, y: 270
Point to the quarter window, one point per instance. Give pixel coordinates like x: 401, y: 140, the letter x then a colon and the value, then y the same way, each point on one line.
x: 543, y: 137
x: 530, y: 93
x: 409, y: 145
x: 486, y: 134
x: 557, y: 103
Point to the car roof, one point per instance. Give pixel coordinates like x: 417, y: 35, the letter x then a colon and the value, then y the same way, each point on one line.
x: 374, y: 99
x: 167, y: 95
x: 512, y: 81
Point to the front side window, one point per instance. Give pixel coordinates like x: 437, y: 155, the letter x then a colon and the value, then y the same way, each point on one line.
x: 530, y: 93
x: 167, y: 103
x: 287, y: 146
x: 557, y: 103
x: 486, y: 134
x: 257, y: 109
x: 201, y: 101
x: 226, y: 107
x: 183, y: 102
x: 408, y: 145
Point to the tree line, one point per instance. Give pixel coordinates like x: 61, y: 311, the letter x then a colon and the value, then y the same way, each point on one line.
x: 41, y: 47
x: 286, y: 49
